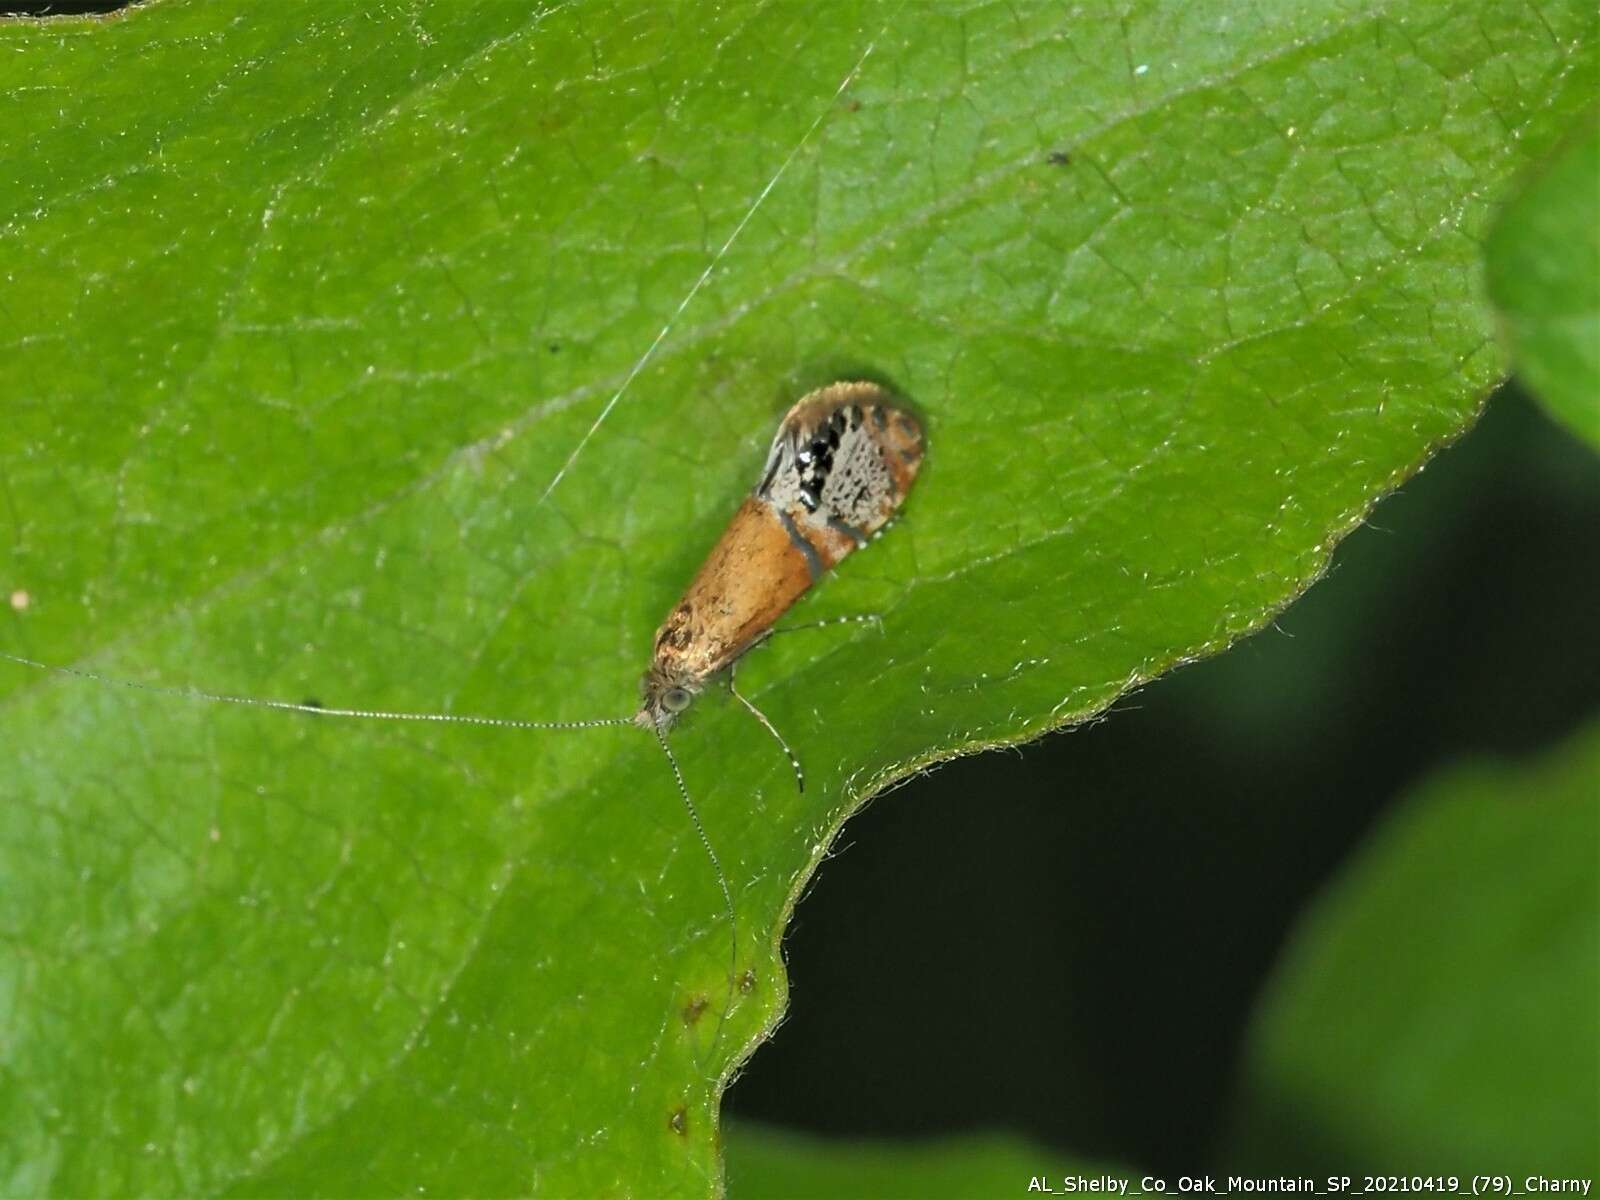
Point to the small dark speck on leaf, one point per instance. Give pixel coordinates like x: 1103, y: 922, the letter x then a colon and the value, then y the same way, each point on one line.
x: 852, y: 106
x: 747, y: 982
x: 1059, y: 158
x: 311, y: 702
x: 693, y: 1009
x: 678, y: 1120
x: 554, y: 347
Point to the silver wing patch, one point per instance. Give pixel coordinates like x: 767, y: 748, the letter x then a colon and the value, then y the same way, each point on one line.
x: 842, y: 459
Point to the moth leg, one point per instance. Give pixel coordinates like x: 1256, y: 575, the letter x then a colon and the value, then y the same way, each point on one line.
x: 799, y: 775
x: 849, y: 619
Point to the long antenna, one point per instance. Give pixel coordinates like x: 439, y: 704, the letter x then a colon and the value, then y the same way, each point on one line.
x: 700, y: 282
x: 315, y: 710
x: 716, y: 865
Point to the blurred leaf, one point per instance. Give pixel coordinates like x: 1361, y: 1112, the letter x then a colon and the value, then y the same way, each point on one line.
x: 305, y: 313
x: 775, y: 1164
x: 1436, y: 1011
x: 1544, y: 274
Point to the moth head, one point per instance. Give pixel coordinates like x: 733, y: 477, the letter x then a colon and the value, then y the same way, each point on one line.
x: 667, y: 696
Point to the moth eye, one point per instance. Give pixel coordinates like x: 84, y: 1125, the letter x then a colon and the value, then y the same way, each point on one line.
x: 675, y: 700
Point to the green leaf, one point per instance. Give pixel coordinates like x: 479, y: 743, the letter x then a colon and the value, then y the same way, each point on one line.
x: 304, y: 315
x: 775, y: 1164
x: 1436, y: 1010
x: 1544, y: 274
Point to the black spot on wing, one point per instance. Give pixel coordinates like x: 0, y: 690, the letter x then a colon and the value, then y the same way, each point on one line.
x: 814, y: 463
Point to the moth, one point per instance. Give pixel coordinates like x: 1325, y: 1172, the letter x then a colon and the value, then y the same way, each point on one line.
x: 841, y: 464
x: 839, y: 468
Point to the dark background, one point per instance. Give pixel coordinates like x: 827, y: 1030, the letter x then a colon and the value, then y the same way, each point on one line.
x: 1067, y: 941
